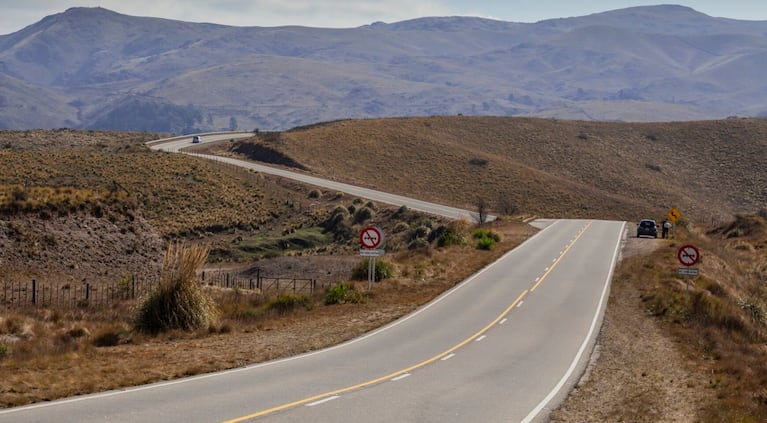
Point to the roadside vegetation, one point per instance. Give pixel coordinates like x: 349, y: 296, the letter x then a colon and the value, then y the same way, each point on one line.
x: 95, y: 206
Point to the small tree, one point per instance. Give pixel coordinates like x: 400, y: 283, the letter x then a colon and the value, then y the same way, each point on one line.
x: 481, y: 211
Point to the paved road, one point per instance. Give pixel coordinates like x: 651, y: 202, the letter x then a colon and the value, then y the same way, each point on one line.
x: 502, y: 346
x: 179, y: 143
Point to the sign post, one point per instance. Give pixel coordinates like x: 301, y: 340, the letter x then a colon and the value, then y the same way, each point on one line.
x: 688, y: 255
x: 370, y: 239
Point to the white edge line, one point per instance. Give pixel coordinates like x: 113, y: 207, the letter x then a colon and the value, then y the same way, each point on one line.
x: 279, y: 361
x: 534, y: 413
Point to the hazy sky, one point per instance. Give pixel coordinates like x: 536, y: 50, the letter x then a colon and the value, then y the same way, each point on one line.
x: 16, y: 14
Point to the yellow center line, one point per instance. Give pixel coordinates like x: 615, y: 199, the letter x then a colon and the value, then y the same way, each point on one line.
x: 415, y: 366
x: 561, y: 256
x: 382, y: 378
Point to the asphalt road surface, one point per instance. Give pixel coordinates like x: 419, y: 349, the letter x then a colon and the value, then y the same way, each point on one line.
x: 504, y: 346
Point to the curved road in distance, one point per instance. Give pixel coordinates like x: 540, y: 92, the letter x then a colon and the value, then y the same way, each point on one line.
x: 177, y: 144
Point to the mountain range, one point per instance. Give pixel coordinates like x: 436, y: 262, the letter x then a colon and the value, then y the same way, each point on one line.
x: 96, y: 69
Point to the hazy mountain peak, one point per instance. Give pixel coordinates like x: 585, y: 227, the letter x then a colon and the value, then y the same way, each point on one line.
x: 666, y: 62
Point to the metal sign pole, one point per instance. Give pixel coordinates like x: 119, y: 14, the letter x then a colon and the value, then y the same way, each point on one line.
x: 371, y: 271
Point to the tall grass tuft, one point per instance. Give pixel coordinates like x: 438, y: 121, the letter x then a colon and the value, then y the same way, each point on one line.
x: 179, y: 302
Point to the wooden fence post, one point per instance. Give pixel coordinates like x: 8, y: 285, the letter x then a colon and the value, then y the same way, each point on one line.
x: 34, y: 291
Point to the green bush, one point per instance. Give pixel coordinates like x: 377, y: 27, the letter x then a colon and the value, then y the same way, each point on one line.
x: 485, y: 239
x: 485, y: 244
x: 383, y: 270
x: 342, y: 294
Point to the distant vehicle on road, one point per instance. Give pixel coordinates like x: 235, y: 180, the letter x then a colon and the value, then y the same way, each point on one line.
x: 196, y: 139
x: 647, y: 227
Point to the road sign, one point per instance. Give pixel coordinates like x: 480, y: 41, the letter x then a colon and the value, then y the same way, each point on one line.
x: 371, y: 253
x: 674, y: 214
x: 371, y: 237
x: 688, y: 255
x: 687, y: 271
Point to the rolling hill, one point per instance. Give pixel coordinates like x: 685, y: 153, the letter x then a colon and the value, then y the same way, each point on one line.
x: 578, y: 169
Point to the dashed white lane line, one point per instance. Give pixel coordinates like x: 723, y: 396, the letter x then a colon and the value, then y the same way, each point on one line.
x: 481, y: 338
x: 448, y: 357
x: 400, y: 377
x: 503, y: 321
x: 520, y: 304
x: 322, y: 401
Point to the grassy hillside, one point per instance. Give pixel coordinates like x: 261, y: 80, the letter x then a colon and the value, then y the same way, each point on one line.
x: 79, y: 203
x: 709, y: 170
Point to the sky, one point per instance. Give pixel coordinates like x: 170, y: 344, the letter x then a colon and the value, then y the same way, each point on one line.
x: 17, y: 14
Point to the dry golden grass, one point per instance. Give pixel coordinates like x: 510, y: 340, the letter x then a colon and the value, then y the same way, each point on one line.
x: 709, y: 170
x: 719, y: 322
x: 179, y: 195
x: 548, y: 167
x: 179, y: 302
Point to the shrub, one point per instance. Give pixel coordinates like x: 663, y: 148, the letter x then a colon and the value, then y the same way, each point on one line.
x: 486, y: 239
x: 400, y: 227
x: 5, y: 350
x: 421, y: 231
x: 754, y: 308
x: 336, y: 294
x: 363, y: 214
x: 452, y: 234
x: 476, y: 161
x: 107, y: 338
x: 485, y: 244
x: 342, y: 294
x: 418, y: 244
x: 383, y: 270
x: 288, y: 302
x: 178, y: 302
x: 315, y: 193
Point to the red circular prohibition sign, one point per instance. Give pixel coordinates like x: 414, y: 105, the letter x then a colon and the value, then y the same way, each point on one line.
x: 688, y: 255
x: 370, y: 237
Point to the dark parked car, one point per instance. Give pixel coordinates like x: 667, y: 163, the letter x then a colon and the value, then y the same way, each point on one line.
x: 647, y: 227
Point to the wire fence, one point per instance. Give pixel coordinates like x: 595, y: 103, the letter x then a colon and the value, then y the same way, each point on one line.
x: 37, y: 293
